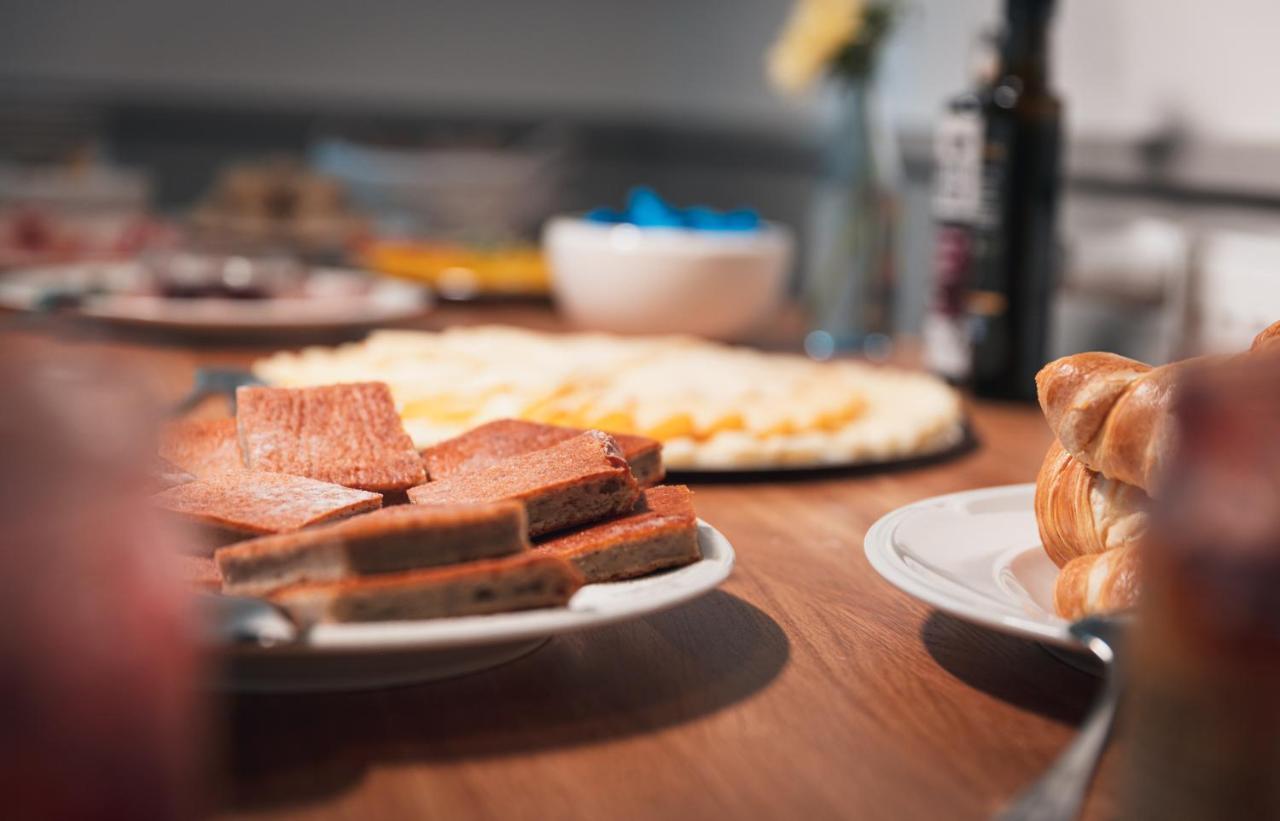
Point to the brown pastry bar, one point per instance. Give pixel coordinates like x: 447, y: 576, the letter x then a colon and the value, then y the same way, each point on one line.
x: 346, y: 434
x: 254, y: 502
x: 392, y: 540
x: 492, y: 442
x: 577, y: 481
x: 661, y: 532
x: 164, y: 474
x: 520, y: 582
x: 199, y: 572
x: 201, y: 446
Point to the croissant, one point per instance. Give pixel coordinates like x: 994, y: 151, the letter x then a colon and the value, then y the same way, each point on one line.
x: 1097, y: 583
x: 1269, y: 336
x: 1080, y: 512
x: 1112, y: 413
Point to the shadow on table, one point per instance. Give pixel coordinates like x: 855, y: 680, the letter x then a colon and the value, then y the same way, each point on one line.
x: 967, y: 444
x: 1014, y: 670
x: 607, y: 683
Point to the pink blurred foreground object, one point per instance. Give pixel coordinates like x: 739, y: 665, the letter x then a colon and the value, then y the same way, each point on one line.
x: 1205, y: 665
x: 97, y: 668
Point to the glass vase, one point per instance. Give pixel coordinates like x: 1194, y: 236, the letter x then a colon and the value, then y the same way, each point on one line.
x: 851, y: 278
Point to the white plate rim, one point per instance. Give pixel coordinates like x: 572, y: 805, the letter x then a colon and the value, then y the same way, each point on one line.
x: 595, y: 605
x: 879, y: 550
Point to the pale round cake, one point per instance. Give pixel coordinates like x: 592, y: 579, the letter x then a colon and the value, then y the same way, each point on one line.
x: 713, y: 406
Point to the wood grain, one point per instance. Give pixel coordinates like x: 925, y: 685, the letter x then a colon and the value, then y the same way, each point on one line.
x: 806, y: 688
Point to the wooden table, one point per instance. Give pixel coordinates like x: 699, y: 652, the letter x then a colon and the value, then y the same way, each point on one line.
x: 806, y: 687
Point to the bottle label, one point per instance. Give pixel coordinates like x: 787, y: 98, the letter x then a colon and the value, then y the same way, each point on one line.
x: 958, y: 208
x: 957, y: 149
x: 946, y: 331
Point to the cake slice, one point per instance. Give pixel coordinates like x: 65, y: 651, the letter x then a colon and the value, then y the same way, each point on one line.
x: 662, y: 532
x: 201, y: 446
x: 346, y: 434
x: 577, y: 481
x: 394, y: 539
x: 492, y: 442
x: 520, y: 582
x: 255, y: 503
x: 163, y: 474
x: 200, y: 573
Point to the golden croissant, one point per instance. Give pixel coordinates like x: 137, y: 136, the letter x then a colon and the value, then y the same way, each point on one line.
x: 1114, y: 429
x: 1112, y: 413
x: 1081, y: 512
x: 1097, y: 583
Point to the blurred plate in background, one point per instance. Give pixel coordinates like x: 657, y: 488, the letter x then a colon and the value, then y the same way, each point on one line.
x: 321, y: 299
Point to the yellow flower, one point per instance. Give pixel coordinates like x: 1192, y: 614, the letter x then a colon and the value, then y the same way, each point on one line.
x: 814, y: 33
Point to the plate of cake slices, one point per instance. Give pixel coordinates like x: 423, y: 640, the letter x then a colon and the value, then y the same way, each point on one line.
x: 713, y: 408
x: 1029, y: 559
x: 399, y: 566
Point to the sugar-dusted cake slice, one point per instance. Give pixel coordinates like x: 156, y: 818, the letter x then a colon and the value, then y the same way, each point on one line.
x: 492, y: 442
x: 199, y: 572
x: 346, y: 434
x: 255, y: 502
x: 201, y: 446
x: 405, y: 537
x: 661, y: 532
x: 577, y: 481
x: 164, y: 474
x: 521, y: 582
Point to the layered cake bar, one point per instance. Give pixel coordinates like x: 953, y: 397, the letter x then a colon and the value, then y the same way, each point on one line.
x: 201, y: 446
x: 255, y: 503
x: 391, y: 540
x: 519, y: 582
x: 164, y: 474
x: 490, y: 443
x: 199, y: 572
x: 346, y: 434
x: 577, y: 481
x: 661, y: 533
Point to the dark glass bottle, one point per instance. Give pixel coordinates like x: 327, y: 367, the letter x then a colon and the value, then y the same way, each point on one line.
x: 1008, y: 304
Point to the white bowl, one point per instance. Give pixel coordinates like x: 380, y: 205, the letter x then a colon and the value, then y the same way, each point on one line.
x: 629, y: 279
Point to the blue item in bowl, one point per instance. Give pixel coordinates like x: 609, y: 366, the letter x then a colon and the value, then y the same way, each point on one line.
x: 648, y: 210
x: 608, y: 215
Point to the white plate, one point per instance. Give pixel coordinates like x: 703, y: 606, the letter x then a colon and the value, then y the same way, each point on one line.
x: 354, y: 656
x: 329, y: 303
x: 975, y: 555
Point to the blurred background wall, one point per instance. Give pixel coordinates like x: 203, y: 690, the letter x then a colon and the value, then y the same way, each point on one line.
x: 1170, y: 102
x: 1127, y: 66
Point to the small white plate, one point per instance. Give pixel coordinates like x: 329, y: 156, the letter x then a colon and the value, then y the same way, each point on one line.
x: 975, y: 555
x: 333, y: 299
x: 358, y: 656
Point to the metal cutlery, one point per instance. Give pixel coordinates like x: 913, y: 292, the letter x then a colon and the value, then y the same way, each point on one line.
x: 1060, y: 792
x: 225, y: 620
x: 214, y: 382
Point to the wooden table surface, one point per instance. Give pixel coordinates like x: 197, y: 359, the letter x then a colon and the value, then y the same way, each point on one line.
x: 806, y: 687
